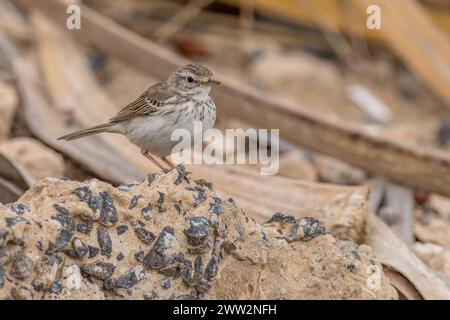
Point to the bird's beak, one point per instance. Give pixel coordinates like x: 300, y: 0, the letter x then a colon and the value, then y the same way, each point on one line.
x: 212, y: 82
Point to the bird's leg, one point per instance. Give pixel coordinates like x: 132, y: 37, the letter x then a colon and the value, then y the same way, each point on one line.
x: 149, y: 156
x: 170, y: 163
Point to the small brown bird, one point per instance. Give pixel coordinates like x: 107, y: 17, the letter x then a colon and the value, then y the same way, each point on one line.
x: 175, y: 103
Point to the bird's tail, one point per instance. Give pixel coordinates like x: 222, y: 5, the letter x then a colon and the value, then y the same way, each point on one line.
x: 104, y: 127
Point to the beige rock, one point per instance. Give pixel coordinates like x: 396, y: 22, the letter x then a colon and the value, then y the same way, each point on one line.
x: 166, y: 238
x: 8, y: 107
x: 37, y: 159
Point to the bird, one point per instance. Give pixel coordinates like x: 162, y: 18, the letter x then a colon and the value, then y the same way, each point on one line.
x: 174, y: 103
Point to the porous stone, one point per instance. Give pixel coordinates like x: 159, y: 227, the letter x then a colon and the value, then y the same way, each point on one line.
x: 92, y: 246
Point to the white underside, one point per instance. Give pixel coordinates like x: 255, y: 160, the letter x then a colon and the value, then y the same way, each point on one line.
x: 153, y: 133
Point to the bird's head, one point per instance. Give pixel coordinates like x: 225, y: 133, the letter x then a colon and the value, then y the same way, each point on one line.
x: 192, y: 79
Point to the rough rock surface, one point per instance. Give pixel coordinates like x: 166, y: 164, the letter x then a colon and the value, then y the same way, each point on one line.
x: 8, y: 106
x: 37, y: 159
x: 169, y: 237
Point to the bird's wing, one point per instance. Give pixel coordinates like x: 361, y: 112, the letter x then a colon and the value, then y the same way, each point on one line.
x: 152, y: 100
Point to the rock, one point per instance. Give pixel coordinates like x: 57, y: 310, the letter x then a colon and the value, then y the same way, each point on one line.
x: 206, y: 249
x: 144, y: 235
x: 296, y: 229
x: 37, y: 159
x: 8, y: 107
x: 198, y: 230
x: 99, y: 270
x: 73, y: 286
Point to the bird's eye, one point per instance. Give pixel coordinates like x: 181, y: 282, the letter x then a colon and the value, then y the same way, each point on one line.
x: 190, y: 79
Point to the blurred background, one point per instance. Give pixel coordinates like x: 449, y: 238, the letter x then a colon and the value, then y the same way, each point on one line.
x: 356, y: 106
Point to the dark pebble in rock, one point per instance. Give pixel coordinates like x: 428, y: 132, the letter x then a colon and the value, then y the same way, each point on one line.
x: 171, y: 271
x: 166, y: 283
x: 190, y: 296
x: 139, y: 222
x: 3, y: 234
x: 282, y: 217
x: 216, y: 206
x: 2, y: 279
x: 351, y: 257
x: 121, y: 229
x: 151, y: 177
x: 197, y: 231
x: 181, y: 175
x: 104, y: 241
x: 264, y: 236
x: 204, y: 183
x: 161, y: 254
x: 18, y: 208
x: 56, y: 287
x: 146, y: 211
x: 10, y: 222
x: 108, y: 213
x: 305, y: 229
x: 140, y: 256
x: 198, y: 265
x: 60, y: 209
x: 65, y: 221
x: 201, y: 196
x: 101, y: 202
x: 99, y: 270
x: 120, y: 256
x: 126, y: 281
x: 85, y: 227
x: 177, y: 207
x: 161, y: 197
x: 187, y: 272
x: 62, y: 239
x: 71, y: 253
x: 229, y: 246
x: 129, y: 279
x: 21, y: 266
x: 231, y: 200
x: 134, y: 202
x: 161, y: 209
x: 79, y: 247
x: 144, y: 235
x: 93, y: 251
x: 212, y: 268
x: 203, y: 286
